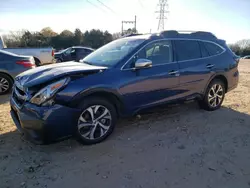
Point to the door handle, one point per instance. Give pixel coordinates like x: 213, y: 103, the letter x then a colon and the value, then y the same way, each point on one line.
x: 173, y: 72
x: 209, y: 66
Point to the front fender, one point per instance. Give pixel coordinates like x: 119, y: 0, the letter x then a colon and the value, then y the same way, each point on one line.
x: 100, y: 91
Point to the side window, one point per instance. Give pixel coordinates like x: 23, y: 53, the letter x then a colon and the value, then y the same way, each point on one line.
x: 204, y: 52
x: 157, y: 52
x: 68, y: 51
x: 212, y: 48
x: 187, y: 50
x: 80, y: 50
x: 88, y: 51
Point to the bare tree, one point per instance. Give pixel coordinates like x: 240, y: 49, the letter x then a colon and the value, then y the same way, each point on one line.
x: 245, y: 43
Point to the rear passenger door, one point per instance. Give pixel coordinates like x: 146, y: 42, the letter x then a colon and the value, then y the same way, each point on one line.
x: 195, y: 71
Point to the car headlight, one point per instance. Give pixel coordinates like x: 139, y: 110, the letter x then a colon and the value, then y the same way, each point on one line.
x: 45, y: 94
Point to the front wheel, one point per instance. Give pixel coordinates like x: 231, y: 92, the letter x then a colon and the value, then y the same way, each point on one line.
x: 96, y: 122
x: 214, y: 96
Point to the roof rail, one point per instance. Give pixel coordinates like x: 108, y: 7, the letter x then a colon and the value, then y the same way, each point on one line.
x: 186, y: 34
x: 130, y: 35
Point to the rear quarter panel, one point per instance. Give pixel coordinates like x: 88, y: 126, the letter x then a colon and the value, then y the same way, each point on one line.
x: 11, y: 68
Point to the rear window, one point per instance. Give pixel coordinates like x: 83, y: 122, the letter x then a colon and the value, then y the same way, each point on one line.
x: 187, y: 50
x: 212, y: 49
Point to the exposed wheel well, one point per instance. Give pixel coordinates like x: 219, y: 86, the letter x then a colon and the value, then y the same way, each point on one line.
x: 222, y: 78
x: 37, y: 61
x: 112, y: 98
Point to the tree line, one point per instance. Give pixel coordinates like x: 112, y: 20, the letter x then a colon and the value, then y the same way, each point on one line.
x: 241, y: 48
x: 47, y: 37
x: 94, y: 38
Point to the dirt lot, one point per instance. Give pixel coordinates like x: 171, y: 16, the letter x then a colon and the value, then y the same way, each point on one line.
x: 178, y: 147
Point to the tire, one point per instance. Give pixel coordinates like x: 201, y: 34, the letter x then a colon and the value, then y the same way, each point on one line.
x: 102, y: 127
x: 212, y: 101
x: 6, y: 84
x: 58, y: 60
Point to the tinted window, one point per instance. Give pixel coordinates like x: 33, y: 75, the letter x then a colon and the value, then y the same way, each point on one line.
x: 204, y: 51
x: 80, y: 50
x: 213, y: 49
x: 158, y: 52
x: 187, y: 50
x: 88, y: 50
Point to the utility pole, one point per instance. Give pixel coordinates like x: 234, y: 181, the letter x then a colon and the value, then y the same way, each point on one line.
x: 129, y: 22
x: 163, y: 10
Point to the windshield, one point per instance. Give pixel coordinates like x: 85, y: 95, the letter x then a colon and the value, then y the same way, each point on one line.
x: 113, y: 52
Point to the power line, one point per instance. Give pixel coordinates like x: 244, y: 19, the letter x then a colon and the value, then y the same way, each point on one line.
x: 141, y: 4
x: 163, y: 10
x: 95, y: 6
x: 107, y: 6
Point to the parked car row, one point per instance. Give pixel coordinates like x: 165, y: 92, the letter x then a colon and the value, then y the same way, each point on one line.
x: 41, y: 56
x: 12, y: 64
x: 123, y: 78
x: 48, y: 55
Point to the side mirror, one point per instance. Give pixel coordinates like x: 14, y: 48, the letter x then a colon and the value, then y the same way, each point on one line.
x: 143, y: 63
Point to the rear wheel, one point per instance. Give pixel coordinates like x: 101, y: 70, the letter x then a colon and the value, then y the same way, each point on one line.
x: 97, y: 120
x: 58, y: 60
x: 6, y: 84
x: 214, y: 96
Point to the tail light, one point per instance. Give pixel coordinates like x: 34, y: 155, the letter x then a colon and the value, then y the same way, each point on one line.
x: 53, y: 53
x: 26, y: 63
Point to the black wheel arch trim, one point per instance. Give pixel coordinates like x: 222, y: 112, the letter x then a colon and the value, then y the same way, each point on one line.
x: 108, y: 93
x: 212, y: 78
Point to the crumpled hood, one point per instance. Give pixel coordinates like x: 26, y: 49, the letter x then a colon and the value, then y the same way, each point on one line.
x: 48, y: 73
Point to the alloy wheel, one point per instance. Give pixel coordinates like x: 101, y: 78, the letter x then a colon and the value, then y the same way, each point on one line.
x: 94, y: 122
x: 215, y: 95
x: 4, y: 85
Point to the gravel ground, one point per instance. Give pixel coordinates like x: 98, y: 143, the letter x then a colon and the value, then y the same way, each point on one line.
x: 181, y: 146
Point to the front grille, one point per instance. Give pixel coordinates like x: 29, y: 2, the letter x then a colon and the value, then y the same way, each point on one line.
x: 19, y: 96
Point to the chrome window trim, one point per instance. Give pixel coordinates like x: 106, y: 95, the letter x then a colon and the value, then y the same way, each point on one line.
x: 171, y: 39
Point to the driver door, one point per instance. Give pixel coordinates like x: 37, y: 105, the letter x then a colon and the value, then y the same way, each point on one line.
x: 154, y: 85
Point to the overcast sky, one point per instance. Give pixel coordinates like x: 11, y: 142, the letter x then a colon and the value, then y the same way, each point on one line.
x: 228, y: 19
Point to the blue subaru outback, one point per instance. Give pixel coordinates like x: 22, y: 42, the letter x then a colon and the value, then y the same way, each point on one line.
x: 122, y: 78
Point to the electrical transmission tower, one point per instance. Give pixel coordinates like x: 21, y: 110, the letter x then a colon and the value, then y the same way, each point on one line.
x: 163, y: 11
